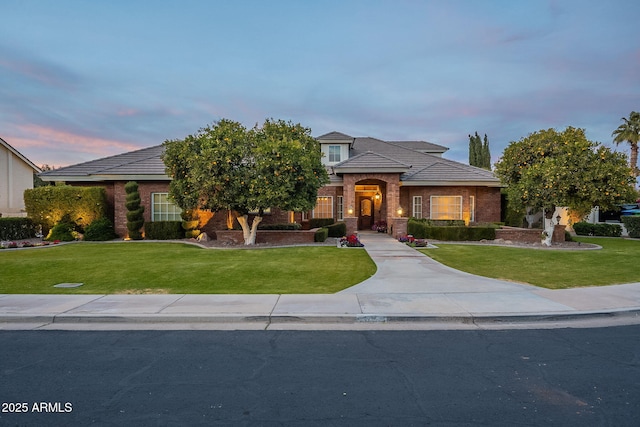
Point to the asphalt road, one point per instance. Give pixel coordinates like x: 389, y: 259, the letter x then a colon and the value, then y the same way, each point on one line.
x: 557, y: 377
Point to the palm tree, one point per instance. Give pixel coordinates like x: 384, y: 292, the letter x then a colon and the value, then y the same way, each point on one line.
x: 629, y: 132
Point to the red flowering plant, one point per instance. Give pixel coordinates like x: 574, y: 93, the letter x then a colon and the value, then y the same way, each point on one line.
x: 351, y: 241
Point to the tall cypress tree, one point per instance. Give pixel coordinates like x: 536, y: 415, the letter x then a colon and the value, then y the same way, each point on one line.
x: 486, y: 154
x: 475, y: 150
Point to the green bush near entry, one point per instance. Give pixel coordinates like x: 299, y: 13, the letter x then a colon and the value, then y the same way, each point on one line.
x: 321, y: 235
x: 604, y: 230
x: 339, y: 229
x: 320, y: 222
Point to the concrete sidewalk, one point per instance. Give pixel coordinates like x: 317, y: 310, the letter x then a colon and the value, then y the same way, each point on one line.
x: 408, y: 288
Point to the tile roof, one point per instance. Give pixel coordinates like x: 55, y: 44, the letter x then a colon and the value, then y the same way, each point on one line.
x: 412, y: 159
x: 144, y: 162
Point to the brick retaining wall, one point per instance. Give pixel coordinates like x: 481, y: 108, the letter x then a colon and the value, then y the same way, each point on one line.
x: 234, y: 237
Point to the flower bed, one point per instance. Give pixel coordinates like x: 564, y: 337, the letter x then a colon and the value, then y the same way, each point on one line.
x: 351, y: 241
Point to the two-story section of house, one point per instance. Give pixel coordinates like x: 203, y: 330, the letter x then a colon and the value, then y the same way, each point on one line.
x: 375, y: 181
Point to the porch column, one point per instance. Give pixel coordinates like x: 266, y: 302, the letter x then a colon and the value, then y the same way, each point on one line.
x: 393, y: 200
x: 349, y: 200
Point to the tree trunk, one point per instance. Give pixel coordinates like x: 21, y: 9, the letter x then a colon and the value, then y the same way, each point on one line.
x: 633, y: 159
x: 249, y: 232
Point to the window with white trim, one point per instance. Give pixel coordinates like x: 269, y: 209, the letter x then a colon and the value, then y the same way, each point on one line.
x: 446, y: 207
x: 324, y: 207
x: 163, y: 209
x: 334, y: 153
x: 416, y: 210
x: 340, y: 208
x: 472, y: 208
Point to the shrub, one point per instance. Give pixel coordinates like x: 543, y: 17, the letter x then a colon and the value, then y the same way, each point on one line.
x: 190, y: 223
x: 100, y: 230
x: 288, y: 226
x: 47, y: 205
x: 321, y: 235
x: 320, y: 222
x: 605, y: 230
x: 135, y: 220
x: 632, y: 223
x: 62, y: 231
x: 338, y: 229
x: 17, y: 228
x: 420, y: 229
x: 164, y: 230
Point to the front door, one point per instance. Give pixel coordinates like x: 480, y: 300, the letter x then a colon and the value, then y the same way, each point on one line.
x: 366, y: 214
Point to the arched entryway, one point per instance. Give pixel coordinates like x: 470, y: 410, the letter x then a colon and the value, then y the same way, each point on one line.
x: 370, y: 202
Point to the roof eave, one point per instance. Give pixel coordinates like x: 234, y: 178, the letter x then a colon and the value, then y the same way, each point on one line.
x: 451, y: 183
x: 341, y: 170
x: 102, y: 178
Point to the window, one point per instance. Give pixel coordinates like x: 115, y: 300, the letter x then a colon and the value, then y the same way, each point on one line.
x: 162, y: 209
x: 334, y: 153
x: 324, y: 207
x: 340, y: 208
x: 416, y: 212
x: 446, y: 207
x: 472, y: 208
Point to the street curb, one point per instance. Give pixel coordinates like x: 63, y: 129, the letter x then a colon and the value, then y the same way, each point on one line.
x: 324, y: 319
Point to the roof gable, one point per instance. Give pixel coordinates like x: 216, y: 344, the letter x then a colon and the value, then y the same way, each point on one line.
x: 19, y: 155
x: 371, y: 161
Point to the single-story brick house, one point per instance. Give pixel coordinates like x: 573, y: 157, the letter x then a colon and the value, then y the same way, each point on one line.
x: 371, y: 181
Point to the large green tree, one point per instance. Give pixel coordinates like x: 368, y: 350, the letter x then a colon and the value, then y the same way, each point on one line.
x: 629, y: 132
x: 228, y: 167
x: 549, y: 168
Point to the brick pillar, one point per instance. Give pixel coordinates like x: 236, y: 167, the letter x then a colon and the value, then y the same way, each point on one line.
x: 558, y: 233
x: 352, y: 225
x: 399, y: 227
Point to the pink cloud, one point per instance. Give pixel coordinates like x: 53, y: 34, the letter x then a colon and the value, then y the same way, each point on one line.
x: 60, y: 146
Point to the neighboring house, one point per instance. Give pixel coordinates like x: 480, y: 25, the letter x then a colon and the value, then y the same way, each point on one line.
x: 371, y: 181
x: 16, y: 175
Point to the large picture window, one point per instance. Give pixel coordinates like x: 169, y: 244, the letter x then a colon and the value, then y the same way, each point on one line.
x: 162, y: 209
x: 446, y: 207
x: 324, y: 207
x: 416, y: 211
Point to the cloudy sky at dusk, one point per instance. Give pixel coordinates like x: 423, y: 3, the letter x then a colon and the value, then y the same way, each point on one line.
x: 81, y: 80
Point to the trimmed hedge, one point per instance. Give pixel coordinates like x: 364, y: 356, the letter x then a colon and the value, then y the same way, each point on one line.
x: 604, y: 230
x: 321, y: 235
x: 320, y: 222
x: 48, y: 205
x: 15, y: 228
x: 421, y: 230
x: 439, y: 222
x: 632, y: 223
x: 339, y: 229
x: 163, y: 230
x: 291, y: 226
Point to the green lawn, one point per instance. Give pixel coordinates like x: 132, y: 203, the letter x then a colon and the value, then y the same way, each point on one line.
x: 616, y: 262
x: 137, y: 267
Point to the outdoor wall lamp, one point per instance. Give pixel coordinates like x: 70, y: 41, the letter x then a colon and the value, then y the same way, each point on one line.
x: 399, y: 210
x: 350, y: 210
x: 378, y: 196
x: 558, y: 218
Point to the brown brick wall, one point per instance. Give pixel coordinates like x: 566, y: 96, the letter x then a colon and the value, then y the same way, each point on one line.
x: 267, y: 236
x: 487, y: 200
